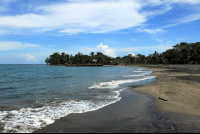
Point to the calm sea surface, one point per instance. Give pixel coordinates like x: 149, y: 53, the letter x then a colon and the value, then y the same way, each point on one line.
x: 33, y: 96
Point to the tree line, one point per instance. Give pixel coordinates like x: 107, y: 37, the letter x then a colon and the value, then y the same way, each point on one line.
x: 183, y: 53
x: 98, y: 58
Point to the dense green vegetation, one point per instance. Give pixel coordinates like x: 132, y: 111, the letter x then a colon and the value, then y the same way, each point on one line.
x: 98, y: 58
x: 183, y: 53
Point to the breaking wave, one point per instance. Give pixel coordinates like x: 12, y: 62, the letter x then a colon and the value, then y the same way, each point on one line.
x: 30, y: 119
x: 142, y: 73
x: 116, y: 83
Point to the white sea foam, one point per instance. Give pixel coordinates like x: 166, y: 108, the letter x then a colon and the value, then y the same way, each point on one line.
x: 141, y: 74
x: 134, y: 75
x: 31, y: 119
x: 139, y: 69
x: 116, y: 83
x: 114, y: 95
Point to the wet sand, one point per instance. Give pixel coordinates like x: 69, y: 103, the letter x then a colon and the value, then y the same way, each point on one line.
x: 143, y: 111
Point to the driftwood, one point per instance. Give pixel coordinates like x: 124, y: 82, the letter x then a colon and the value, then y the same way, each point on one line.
x: 161, y: 97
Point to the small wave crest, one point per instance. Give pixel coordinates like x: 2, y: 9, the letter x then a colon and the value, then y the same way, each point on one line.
x: 141, y: 74
x: 140, y: 69
x: 116, y: 83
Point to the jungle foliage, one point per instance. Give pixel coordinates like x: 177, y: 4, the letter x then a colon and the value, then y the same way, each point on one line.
x: 183, y: 53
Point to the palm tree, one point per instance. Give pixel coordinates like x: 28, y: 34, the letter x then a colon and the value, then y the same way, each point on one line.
x: 66, y: 59
x: 62, y: 58
x: 92, y: 54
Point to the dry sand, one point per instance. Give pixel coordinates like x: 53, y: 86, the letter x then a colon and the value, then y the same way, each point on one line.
x: 179, y: 84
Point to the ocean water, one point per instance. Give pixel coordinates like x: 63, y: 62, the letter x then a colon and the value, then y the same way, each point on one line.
x: 34, y: 96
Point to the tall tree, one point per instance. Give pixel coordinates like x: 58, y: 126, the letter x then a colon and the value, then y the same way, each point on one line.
x: 62, y: 58
x: 55, y: 58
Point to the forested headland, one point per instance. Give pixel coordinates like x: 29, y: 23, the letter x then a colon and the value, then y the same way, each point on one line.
x: 183, y: 53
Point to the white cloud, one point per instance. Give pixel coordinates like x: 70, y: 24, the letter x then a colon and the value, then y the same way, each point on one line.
x: 105, y: 49
x: 165, y: 8
x: 72, y: 31
x: 184, y: 20
x: 75, y: 17
x: 151, y: 3
x: 87, y: 16
x: 12, y: 45
x: 150, y: 30
x: 184, y: 1
x: 180, y: 39
x: 132, y: 54
x: 30, y: 58
x: 161, y: 2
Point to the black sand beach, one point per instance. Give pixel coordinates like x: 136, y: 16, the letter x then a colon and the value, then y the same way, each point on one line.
x: 179, y: 84
x: 134, y: 113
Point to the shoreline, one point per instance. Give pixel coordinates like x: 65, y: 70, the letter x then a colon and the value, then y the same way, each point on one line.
x: 179, y: 84
x: 134, y: 113
x: 139, y: 110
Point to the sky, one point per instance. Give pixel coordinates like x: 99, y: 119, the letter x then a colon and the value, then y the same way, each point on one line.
x: 31, y: 30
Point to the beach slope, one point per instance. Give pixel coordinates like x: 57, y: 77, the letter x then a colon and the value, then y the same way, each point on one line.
x: 179, y: 85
